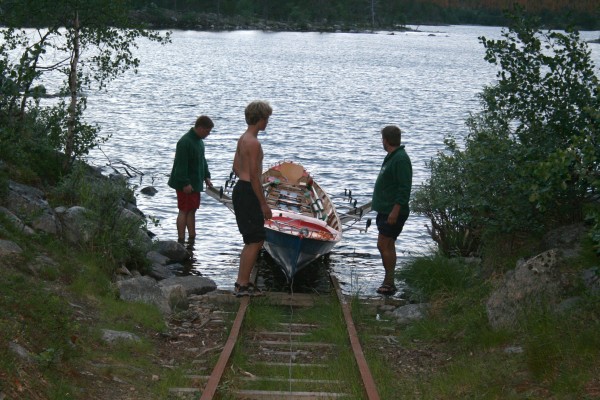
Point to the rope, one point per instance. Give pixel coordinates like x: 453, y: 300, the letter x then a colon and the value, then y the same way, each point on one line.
x: 290, y: 334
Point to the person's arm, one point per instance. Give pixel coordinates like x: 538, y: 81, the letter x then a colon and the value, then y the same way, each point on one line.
x: 181, y: 168
x: 255, y: 155
x: 393, y: 215
x: 402, y: 175
x: 207, y: 174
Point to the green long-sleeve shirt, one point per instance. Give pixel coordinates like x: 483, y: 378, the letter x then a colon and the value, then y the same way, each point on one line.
x: 393, y: 183
x: 189, y: 166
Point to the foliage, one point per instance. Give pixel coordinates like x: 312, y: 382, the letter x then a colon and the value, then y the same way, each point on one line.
x: 551, y: 352
x: 531, y: 155
x: 436, y: 275
x: 383, y: 13
x: 117, y: 233
x: 89, y: 43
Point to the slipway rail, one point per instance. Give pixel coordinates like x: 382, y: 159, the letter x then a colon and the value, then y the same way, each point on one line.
x: 288, y: 341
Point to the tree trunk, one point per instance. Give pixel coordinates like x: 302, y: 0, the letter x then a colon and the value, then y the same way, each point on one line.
x: 73, y: 88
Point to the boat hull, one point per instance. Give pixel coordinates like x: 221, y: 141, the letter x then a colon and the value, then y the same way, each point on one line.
x: 305, y: 224
x: 294, y: 252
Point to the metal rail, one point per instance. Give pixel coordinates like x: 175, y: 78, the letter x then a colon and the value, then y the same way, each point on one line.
x: 219, y: 369
x: 363, y: 366
x: 214, y: 379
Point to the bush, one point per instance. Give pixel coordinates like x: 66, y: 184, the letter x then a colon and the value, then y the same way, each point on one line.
x: 531, y: 155
x: 116, y: 237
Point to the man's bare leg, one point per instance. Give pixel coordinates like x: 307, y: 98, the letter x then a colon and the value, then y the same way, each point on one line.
x: 387, y: 249
x: 190, y: 223
x: 247, y: 260
x: 181, y: 222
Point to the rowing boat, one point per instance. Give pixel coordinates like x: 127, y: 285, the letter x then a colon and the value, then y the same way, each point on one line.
x: 305, y: 224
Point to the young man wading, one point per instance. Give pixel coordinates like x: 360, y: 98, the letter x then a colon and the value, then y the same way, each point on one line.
x: 188, y: 175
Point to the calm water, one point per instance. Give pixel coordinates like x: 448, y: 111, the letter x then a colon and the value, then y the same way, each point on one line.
x: 331, y: 95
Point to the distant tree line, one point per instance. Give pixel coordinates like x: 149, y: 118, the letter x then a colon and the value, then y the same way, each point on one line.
x: 583, y: 14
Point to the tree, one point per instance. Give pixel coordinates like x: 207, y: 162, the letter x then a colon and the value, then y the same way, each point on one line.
x: 531, y: 156
x: 90, y: 42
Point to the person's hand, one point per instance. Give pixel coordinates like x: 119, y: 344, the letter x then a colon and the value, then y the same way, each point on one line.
x: 266, y: 211
x: 392, y: 218
x: 188, y: 189
x: 208, y: 182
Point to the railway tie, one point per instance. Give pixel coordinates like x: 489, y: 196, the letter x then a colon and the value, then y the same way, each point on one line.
x: 288, y: 359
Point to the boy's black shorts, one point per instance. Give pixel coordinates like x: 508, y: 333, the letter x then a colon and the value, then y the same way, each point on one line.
x: 248, y: 214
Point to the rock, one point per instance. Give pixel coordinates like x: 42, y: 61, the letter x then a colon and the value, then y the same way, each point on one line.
x: 78, y: 227
x: 16, y: 221
x: 591, y: 279
x: 174, y: 251
x: 157, y: 258
x: 160, y: 272
x: 177, y: 297
x: 8, y: 248
x: 513, y: 350
x: 41, y: 263
x: 410, y: 312
x: 533, y: 282
x: 21, y: 352
x: 30, y: 203
x: 149, y: 190
x: 191, y: 284
x: 144, y: 289
x: 11, y: 253
x: 566, y: 238
x: 568, y: 304
x: 111, y: 336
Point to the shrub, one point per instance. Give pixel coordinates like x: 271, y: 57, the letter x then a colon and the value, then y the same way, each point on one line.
x: 531, y: 155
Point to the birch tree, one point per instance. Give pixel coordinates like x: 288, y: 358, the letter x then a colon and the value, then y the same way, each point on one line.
x: 90, y: 42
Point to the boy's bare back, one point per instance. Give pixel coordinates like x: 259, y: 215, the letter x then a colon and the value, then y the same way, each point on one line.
x: 247, y: 162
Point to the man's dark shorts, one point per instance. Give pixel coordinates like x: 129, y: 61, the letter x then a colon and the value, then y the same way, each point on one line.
x: 248, y: 214
x: 387, y: 230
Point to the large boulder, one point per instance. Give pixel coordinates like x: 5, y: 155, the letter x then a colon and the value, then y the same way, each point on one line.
x: 10, y: 253
x: 192, y: 284
x: 78, y: 227
x: 16, y: 221
x: 173, y: 250
x: 144, y: 289
x: 532, y: 283
x: 29, y: 204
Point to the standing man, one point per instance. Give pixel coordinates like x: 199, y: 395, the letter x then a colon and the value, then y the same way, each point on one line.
x: 189, y: 173
x: 249, y: 203
x: 390, y: 200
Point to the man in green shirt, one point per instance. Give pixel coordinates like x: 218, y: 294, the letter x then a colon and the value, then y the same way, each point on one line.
x: 189, y: 173
x: 390, y: 200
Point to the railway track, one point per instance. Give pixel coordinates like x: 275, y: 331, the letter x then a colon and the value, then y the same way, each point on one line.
x: 292, y: 355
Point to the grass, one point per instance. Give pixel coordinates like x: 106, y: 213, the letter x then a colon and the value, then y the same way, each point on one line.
x: 558, y: 357
x: 42, y: 310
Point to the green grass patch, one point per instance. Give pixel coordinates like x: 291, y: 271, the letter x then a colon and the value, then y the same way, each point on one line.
x: 549, y: 354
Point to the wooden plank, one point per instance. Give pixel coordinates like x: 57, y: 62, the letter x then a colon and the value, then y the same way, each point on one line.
x: 280, y: 395
x: 293, y: 365
x: 294, y: 344
x: 292, y: 380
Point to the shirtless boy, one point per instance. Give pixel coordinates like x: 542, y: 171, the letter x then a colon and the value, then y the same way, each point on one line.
x: 249, y: 203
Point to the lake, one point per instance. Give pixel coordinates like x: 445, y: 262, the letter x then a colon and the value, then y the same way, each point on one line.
x: 331, y: 94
